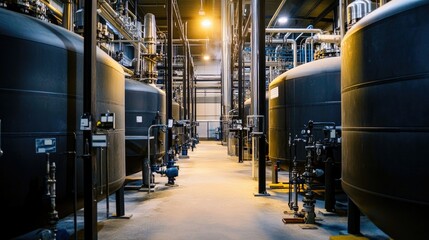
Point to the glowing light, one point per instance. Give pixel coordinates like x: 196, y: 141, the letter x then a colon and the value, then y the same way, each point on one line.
x: 282, y: 20
x: 206, y: 57
x: 206, y: 23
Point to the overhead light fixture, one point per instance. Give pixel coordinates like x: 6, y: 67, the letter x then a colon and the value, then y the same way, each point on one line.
x: 201, y: 12
x: 206, y: 23
x: 206, y: 57
x: 282, y: 20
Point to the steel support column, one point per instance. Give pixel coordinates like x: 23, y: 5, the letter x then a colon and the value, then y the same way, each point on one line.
x: 89, y: 86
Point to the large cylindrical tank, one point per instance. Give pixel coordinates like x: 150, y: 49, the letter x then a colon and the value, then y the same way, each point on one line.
x: 307, y: 92
x: 385, y: 117
x: 144, y: 106
x: 41, y: 97
x: 176, y: 110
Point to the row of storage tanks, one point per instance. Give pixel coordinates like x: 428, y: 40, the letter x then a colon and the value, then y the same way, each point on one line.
x: 41, y: 97
x: 378, y: 92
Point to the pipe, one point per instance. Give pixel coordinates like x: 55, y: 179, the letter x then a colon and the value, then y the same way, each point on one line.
x: 1, y: 151
x: 327, y: 38
x: 341, y: 17
x: 240, y: 79
x: 52, y: 8
x: 169, y: 80
x: 185, y: 87
x: 293, y: 30
x: 308, y: 27
x: 89, y: 106
x: 68, y: 15
x: 108, y: 13
x: 149, y: 37
x: 289, y: 41
x: 258, y: 89
x: 247, y: 25
x: 226, y: 53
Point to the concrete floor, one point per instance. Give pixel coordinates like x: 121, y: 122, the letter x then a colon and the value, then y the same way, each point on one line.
x: 214, y: 199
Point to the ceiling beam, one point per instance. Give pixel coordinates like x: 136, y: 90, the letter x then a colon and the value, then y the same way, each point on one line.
x: 329, y: 9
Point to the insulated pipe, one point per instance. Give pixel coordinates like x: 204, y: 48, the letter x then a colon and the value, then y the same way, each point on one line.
x: 327, y: 38
x: 226, y: 57
x: 149, y: 38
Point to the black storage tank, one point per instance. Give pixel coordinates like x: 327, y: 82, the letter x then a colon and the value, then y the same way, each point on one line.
x: 144, y: 106
x: 307, y: 92
x: 41, y: 97
x: 385, y: 117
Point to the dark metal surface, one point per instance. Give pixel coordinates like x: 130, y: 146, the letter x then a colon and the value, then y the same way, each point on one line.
x: 89, y: 105
x: 147, y: 102
x: 41, y: 94
x: 385, y: 117
x: 307, y: 92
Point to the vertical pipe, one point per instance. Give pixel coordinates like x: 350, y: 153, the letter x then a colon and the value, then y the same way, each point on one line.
x: 89, y: 86
x: 185, y: 87
x: 258, y: 84
x: 254, y: 58
x: 169, y: 81
x: 295, y: 50
x: 226, y: 78
x: 240, y: 78
x: 194, y: 111
x: 188, y: 73
x: 68, y: 15
x: 1, y: 151
x: 262, y: 98
x: 341, y: 18
x: 137, y: 53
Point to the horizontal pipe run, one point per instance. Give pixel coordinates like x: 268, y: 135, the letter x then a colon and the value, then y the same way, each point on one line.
x: 292, y: 30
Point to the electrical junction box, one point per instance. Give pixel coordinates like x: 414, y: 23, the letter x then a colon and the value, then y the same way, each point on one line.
x: 107, y: 121
x: 85, y: 122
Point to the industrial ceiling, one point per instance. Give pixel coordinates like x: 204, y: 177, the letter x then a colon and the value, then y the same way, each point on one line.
x: 300, y: 13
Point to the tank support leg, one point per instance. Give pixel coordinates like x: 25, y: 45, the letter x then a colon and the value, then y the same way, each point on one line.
x: 120, y: 205
x: 329, y: 185
x: 353, y: 218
